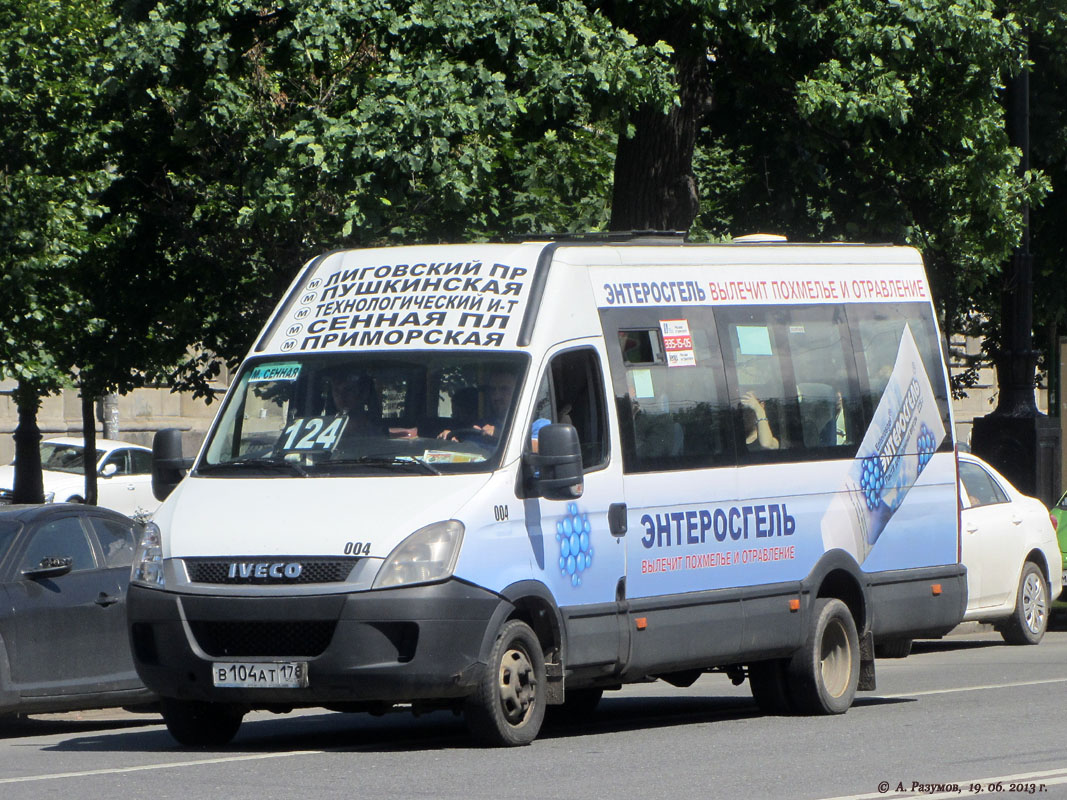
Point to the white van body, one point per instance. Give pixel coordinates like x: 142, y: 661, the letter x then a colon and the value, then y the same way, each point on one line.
x: 767, y: 482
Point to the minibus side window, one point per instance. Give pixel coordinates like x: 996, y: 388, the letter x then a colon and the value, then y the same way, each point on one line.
x: 792, y: 381
x: 761, y: 386
x: 572, y: 392
x: 669, y: 392
x: 876, y: 330
x: 831, y: 414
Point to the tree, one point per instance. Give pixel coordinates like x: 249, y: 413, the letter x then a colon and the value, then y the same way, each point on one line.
x: 50, y: 174
x: 256, y: 136
x: 844, y: 120
x: 1048, y: 138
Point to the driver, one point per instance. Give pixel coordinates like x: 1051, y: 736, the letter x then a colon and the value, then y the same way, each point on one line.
x: 500, y: 391
x: 356, y: 396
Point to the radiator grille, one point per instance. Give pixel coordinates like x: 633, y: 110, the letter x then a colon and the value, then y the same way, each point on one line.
x: 312, y: 570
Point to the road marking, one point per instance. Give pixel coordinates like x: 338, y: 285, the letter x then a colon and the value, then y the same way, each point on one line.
x: 969, y: 689
x: 1052, y: 777
x: 171, y: 765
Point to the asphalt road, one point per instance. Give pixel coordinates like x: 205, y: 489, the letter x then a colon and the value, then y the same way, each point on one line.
x: 967, y: 710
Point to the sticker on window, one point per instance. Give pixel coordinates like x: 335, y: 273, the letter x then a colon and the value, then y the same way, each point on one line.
x: 642, y: 383
x: 274, y: 372
x: 313, y: 433
x: 678, y: 342
x: 754, y: 340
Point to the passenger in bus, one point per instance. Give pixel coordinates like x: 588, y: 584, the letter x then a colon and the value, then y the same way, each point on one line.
x: 835, y: 431
x: 758, y: 431
x: 356, y: 396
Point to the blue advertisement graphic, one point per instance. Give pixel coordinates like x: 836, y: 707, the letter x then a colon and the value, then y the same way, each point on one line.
x: 575, y: 548
x: 899, y: 443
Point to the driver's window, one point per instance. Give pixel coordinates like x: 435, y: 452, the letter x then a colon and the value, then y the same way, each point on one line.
x: 572, y: 392
x: 120, y: 458
x: 140, y: 462
x: 60, y: 538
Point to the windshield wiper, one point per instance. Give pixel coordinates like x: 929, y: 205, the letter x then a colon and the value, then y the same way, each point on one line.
x: 271, y: 464
x: 385, y: 462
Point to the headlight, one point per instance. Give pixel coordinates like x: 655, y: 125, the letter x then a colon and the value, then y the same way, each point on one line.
x: 148, y: 559
x: 429, y: 554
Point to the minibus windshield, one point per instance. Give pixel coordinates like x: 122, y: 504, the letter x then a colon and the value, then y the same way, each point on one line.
x: 409, y: 413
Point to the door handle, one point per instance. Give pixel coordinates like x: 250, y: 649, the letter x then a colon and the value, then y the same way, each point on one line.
x: 104, y: 599
x: 971, y: 528
x: 1016, y: 519
x: 617, y: 519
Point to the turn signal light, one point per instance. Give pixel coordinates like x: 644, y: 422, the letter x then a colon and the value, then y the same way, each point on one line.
x: 936, y: 589
x: 641, y: 623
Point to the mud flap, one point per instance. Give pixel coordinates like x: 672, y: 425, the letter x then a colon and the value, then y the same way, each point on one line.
x: 866, y: 682
x: 554, y: 680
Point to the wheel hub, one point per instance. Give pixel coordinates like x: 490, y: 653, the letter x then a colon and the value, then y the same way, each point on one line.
x: 1034, y: 606
x: 518, y: 685
x: 835, y: 659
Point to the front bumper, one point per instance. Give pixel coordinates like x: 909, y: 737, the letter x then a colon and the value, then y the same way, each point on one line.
x: 390, y: 645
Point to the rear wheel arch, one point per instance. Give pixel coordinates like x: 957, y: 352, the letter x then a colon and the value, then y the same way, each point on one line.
x: 842, y: 585
x: 1037, y: 556
x: 838, y: 575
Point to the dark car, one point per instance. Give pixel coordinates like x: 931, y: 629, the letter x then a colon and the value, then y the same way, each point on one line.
x: 64, y: 569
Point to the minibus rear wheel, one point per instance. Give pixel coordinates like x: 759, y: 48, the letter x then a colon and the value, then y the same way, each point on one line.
x: 508, y: 705
x: 196, y: 724
x: 824, y: 674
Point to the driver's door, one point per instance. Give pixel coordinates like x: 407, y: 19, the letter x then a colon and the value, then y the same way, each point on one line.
x: 64, y: 626
x: 123, y: 489
x: 583, y: 539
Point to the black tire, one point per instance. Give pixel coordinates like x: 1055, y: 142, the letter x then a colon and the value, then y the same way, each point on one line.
x: 1029, y: 621
x: 892, y: 648
x: 770, y: 686
x: 824, y: 674
x: 196, y: 724
x: 508, y: 705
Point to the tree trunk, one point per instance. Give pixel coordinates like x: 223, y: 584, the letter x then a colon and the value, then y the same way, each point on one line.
x: 29, y: 485
x: 89, y: 440
x: 655, y: 188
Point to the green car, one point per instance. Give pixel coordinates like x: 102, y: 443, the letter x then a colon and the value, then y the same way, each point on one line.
x: 1059, y: 522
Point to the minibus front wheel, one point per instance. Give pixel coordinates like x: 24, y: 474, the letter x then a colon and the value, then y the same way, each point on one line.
x: 508, y: 704
x: 824, y: 673
x: 197, y: 724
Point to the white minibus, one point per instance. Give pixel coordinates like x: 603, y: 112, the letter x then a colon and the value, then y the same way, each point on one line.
x: 501, y: 477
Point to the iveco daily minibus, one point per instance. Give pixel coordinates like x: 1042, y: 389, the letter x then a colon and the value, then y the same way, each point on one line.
x: 498, y: 477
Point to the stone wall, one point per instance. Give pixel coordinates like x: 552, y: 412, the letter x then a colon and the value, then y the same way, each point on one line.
x: 141, y: 414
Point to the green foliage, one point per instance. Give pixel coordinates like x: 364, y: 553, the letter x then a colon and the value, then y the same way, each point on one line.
x: 165, y: 167
x: 873, y: 121
x: 255, y: 137
x: 50, y: 177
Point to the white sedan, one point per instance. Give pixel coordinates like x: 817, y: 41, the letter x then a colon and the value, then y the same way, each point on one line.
x: 124, y: 471
x: 1011, y: 554
x: 1009, y: 547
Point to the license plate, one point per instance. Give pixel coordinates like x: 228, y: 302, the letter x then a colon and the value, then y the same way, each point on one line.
x: 260, y: 675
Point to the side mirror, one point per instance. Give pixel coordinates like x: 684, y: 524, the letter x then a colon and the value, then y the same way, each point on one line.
x: 556, y: 467
x: 50, y: 567
x: 168, y: 466
x: 108, y: 470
